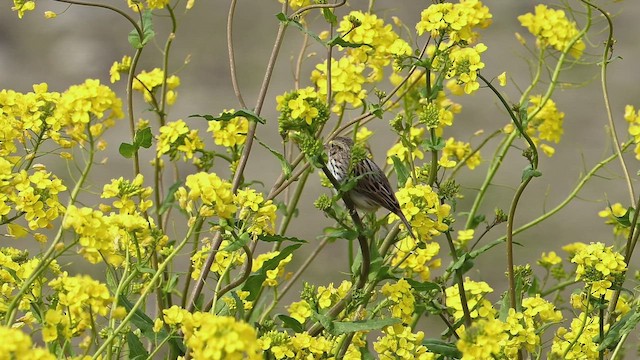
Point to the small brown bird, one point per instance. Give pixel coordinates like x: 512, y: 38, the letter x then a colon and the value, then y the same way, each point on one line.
x: 372, y: 189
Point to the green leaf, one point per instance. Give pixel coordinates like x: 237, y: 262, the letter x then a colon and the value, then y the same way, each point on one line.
x: 464, y: 263
x: 344, y: 327
x: 329, y: 16
x: 340, y: 233
x: 300, y: 27
x: 444, y: 348
x: 127, y: 150
x: 477, y: 220
x: 338, y: 40
x: 438, y: 145
x: 170, y: 199
x: 626, y: 324
x: 421, y: 286
x: 625, y: 220
x: 286, y: 166
x: 255, y: 280
x: 291, y: 323
x: 143, y: 138
x: 401, y: 170
x: 529, y: 173
x: 226, y: 116
x: 147, y: 31
x: 282, y: 17
x: 279, y: 238
x: 238, y: 242
x: 136, y: 349
x: 239, y: 305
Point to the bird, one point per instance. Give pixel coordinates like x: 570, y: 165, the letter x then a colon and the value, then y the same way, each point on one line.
x: 372, y: 189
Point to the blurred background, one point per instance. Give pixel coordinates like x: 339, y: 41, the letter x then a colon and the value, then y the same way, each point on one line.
x: 83, y: 42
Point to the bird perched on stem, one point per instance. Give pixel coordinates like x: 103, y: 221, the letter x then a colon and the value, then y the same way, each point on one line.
x: 372, y: 189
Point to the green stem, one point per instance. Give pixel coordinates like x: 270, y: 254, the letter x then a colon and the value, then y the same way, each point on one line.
x: 460, y: 281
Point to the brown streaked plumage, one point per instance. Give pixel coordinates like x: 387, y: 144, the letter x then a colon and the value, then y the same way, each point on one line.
x: 372, y: 189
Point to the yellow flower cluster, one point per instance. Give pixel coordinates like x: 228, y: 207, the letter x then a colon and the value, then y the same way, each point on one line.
x: 213, y: 193
x: 465, y: 63
x: 297, y: 4
x: 273, y: 274
x: 62, y: 117
x: 401, y: 296
x: 485, y: 339
x: 223, y: 259
x: 258, y: 215
x: 546, y: 121
x: 297, y: 346
x: 22, y: 6
x: 552, y: 28
x: 549, y: 260
x: 80, y: 299
x: 125, y: 191
x: 611, y: 213
x: 491, y: 338
x: 399, y: 342
x: 119, y: 67
x: 599, y: 267
x: 422, y: 208
x: 80, y: 103
x: 113, y: 235
x: 633, y: 118
x: 347, y: 79
x: 17, y: 345
x: 213, y: 337
x: 416, y: 259
x: 148, y: 82
x: 416, y: 135
x: 300, y: 310
x: 479, y: 306
x: 96, y: 236
x: 229, y: 133
x: 15, y: 268
x: 329, y: 296
x: 302, y: 110
x: 177, y: 139
x: 577, y: 342
x: 458, y: 21
x: 382, y: 42
x: 454, y: 151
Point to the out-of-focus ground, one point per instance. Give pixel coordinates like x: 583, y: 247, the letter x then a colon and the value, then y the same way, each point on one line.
x: 83, y: 43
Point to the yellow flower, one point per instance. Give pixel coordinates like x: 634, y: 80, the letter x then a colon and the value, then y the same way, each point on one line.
x: 119, y: 67
x: 258, y: 215
x: 465, y: 66
x: 483, y: 340
x: 401, y: 296
x: 458, y: 150
x: 300, y: 311
x: 346, y: 81
x: 17, y: 345
x: 480, y: 306
x: 22, y: 6
x: 272, y: 274
x: 578, y: 340
x: 229, y: 133
x: 552, y: 28
x: 548, y: 260
x: 148, y: 82
x: 215, y: 337
x: 502, y: 79
x: 399, y: 342
x: 599, y: 267
x: 455, y: 20
x: 213, y: 193
x: 422, y: 208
